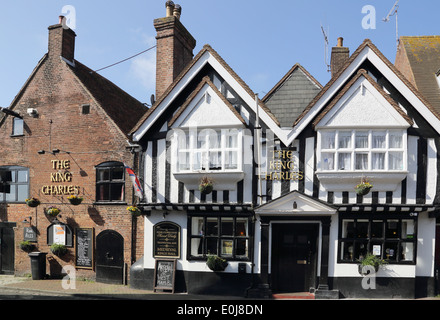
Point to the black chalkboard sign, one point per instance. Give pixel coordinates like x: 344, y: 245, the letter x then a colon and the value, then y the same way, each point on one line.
x: 84, y: 245
x: 164, y: 274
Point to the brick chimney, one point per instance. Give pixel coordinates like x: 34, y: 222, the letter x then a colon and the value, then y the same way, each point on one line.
x: 61, y: 41
x: 175, y: 47
x: 340, y: 55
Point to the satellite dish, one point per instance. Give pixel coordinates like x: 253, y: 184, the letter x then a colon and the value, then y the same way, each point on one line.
x: 152, y: 99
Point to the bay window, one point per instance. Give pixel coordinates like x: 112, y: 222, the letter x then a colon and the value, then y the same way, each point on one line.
x: 209, y: 150
x: 362, y: 150
x: 227, y: 237
x: 393, y: 238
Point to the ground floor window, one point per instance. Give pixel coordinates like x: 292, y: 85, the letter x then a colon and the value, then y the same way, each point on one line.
x: 392, y: 238
x: 225, y: 236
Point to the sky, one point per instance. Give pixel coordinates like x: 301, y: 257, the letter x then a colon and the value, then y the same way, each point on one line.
x: 261, y: 40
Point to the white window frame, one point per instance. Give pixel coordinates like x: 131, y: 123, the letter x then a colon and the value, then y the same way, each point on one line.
x: 352, y: 150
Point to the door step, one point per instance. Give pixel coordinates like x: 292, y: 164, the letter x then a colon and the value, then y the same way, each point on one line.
x: 293, y: 296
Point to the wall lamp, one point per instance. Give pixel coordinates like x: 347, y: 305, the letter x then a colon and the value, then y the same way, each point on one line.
x: 26, y: 220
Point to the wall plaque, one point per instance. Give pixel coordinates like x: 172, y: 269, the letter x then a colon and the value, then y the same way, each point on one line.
x: 30, y: 234
x: 166, y: 240
x: 84, y: 248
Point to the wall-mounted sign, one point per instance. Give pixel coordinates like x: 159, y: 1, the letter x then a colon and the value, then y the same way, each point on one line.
x: 282, y: 166
x: 84, y: 245
x: 166, y: 240
x: 60, y: 175
x: 30, y: 234
x: 59, y: 234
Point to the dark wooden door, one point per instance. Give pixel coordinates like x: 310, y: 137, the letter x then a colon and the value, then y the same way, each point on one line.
x: 7, y: 252
x: 294, y: 257
x: 110, y: 257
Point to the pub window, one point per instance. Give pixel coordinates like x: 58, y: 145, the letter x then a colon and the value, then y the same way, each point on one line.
x: 110, y: 182
x: 393, y: 239
x: 17, y: 127
x: 227, y: 237
x: 14, y: 184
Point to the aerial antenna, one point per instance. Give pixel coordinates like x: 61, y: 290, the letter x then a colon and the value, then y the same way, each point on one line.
x: 394, y: 11
x: 326, y: 48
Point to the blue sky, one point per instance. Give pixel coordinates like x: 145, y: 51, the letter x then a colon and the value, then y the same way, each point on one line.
x: 261, y: 40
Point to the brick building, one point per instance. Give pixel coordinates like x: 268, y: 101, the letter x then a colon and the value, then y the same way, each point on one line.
x: 66, y: 133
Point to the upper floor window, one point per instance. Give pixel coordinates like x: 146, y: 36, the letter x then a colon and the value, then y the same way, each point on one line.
x: 110, y: 182
x: 209, y: 150
x: 17, y: 127
x: 14, y: 184
x: 362, y: 150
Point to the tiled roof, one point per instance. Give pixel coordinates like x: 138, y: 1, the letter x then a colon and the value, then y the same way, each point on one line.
x: 422, y: 53
x: 122, y: 108
x: 206, y: 48
x: 291, y: 95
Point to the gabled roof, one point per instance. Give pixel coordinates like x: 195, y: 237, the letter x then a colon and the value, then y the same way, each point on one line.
x: 366, y: 51
x: 289, y: 97
x: 362, y: 74
x: 418, y: 58
x: 121, y: 107
x: 205, y: 81
x: 206, y: 55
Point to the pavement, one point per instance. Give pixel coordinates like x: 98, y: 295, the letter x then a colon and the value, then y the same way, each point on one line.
x: 83, y: 289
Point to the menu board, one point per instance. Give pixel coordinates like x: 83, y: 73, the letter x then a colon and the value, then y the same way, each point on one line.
x: 84, y: 244
x: 164, y: 275
x: 167, y: 240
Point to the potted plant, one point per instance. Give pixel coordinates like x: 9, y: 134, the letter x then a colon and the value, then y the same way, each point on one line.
x: 27, y: 246
x: 75, y: 200
x: 53, y: 211
x: 33, y: 202
x: 370, y: 260
x: 206, y: 185
x: 215, y: 263
x: 58, y: 249
x: 135, y: 211
x: 364, y: 187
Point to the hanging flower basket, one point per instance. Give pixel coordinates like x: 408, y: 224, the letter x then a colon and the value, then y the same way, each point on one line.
x: 368, y: 263
x: 53, y: 211
x: 33, y: 202
x: 363, y: 188
x: 27, y: 246
x: 75, y: 200
x: 215, y: 263
x: 206, y: 185
x: 58, y: 249
x: 135, y: 211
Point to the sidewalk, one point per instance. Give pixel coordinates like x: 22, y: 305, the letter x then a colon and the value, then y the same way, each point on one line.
x: 91, y: 289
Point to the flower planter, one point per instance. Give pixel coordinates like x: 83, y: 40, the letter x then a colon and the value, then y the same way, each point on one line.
x: 135, y: 211
x: 206, y: 189
x: 53, y: 211
x: 58, y: 249
x: 27, y: 246
x: 74, y: 200
x: 33, y: 202
x: 216, y: 263
x: 363, y: 190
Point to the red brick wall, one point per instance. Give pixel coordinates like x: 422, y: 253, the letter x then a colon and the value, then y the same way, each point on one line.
x: 90, y: 139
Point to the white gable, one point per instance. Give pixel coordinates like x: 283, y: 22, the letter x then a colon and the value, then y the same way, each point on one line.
x: 363, y: 106
x: 207, y: 109
x: 295, y: 203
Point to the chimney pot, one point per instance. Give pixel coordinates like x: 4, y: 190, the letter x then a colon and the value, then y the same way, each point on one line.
x: 340, y: 42
x: 177, y: 11
x: 170, y: 8
x: 61, y: 18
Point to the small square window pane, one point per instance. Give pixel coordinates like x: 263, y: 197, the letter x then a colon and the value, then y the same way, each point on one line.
x: 392, y: 229
x: 197, y: 226
x: 328, y: 161
x: 344, y: 140
x: 227, y: 226
x: 241, y: 228
x: 211, y: 226
x: 361, y: 140
x: 361, y: 161
x: 344, y: 161
x: 117, y: 192
x: 379, y: 140
x: 377, y: 229
x: 22, y: 176
x: 348, y: 229
x: 362, y: 229
x: 378, y: 161
x: 408, y: 229
x: 118, y: 173
x: 241, y: 247
x: 211, y: 245
x: 390, y: 252
x: 395, y: 160
x: 23, y: 193
x: 226, y: 247
x: 328, y: 140
x: 196, y: 247
x: 396, y: 140
x: 18, y: 127
x: 407, y: 251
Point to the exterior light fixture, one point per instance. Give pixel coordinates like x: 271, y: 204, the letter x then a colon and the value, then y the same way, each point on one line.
x: 295, y: 205
x: 26, y: 220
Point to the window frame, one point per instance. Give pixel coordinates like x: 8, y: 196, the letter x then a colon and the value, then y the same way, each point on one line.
x: 370, y: 151
x: 15, y: 183
x: 110, y: 165
x: 370, y: 241
x: 14, y: 127
x: 191, y: 149
x: 220, y: 237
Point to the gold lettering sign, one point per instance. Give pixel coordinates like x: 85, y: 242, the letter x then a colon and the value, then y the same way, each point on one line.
x: 282, y: 167
x: 60, y: 177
